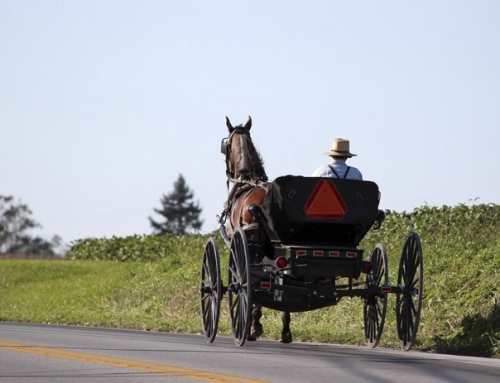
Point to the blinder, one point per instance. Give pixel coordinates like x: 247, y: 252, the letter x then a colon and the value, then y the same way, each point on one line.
x: 224, y: 146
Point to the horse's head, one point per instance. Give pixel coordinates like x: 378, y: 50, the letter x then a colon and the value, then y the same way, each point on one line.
x: 243, y: 162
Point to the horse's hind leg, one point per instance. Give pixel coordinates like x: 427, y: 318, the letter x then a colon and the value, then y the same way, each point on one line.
x: 286, y: 334
x: 256, y: 329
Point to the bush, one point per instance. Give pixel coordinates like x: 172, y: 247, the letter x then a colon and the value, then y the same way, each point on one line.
x: 134, y: 248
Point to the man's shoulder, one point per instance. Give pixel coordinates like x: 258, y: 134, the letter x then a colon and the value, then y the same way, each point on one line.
x: 321, y: 171
x: 355, y: 172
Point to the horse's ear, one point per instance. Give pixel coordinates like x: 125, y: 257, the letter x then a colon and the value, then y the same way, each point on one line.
x: 248, y: 124
x: 229, y: 126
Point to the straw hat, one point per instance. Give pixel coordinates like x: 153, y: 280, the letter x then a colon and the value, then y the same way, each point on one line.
x: 340, y: 147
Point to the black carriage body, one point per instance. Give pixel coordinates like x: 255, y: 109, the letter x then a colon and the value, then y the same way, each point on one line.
x: 316, y: 224
x: 306, y: 257
x: 320, y: 210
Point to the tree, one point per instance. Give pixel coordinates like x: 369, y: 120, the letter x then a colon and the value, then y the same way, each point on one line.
x: 15, y: 224
x: 178, y: 210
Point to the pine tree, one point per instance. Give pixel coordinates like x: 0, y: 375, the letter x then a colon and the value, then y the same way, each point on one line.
x: 178, y: 210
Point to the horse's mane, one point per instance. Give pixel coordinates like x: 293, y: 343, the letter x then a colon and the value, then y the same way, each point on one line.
x: 249, y: 165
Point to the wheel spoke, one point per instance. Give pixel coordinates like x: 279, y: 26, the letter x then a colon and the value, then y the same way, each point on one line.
x: 239, y: 292
x: 409, y: 299
x: 211, y: 290
x: 375, y: 305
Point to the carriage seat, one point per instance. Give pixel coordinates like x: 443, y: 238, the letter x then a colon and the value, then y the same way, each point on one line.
x: 300, y: 210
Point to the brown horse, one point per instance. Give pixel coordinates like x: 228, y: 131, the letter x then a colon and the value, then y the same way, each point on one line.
x: 245, y: 168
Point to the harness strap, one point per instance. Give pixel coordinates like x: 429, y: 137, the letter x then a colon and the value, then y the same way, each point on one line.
x: 250, y: 226
x: 240, y: 190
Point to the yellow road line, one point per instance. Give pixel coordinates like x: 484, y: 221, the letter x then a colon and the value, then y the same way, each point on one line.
x: 200, y: 375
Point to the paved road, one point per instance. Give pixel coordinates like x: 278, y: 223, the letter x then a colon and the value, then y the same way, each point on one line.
x: 66, y: 354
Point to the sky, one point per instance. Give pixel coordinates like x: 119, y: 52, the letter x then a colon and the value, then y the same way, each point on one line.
x: 104, y: 103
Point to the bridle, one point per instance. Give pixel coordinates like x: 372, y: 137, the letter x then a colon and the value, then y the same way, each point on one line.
x: 225, y: 148
x: 240, y: 181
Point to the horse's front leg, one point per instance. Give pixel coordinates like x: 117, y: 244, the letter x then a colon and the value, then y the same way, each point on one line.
x: 256, y: 329
x: 286, y: 334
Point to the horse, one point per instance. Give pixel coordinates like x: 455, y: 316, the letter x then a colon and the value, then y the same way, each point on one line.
x: 245, y: 169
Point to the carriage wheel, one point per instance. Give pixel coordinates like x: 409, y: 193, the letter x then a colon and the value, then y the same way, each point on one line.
x: 375, y: 305
x: 239, y: 287
x: 409, y: 296
x: 211, y: 290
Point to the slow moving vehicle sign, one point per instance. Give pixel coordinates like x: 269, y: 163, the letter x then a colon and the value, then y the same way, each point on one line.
x: 325, y: 202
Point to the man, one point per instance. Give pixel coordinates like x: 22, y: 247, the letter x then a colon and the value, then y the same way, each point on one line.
x: 337, y: 168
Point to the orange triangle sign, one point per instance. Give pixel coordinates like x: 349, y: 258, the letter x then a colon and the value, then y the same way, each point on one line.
x: 325, y: 202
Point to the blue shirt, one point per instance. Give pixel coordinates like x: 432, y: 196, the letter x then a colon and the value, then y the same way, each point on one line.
x: 340, y: 166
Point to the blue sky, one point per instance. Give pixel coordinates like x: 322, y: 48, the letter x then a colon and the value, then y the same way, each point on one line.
x: 104, y: 103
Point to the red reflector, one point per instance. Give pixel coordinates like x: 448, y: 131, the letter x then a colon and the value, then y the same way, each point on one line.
x: 281, y: 262
x: 301, y: 253
x: 335, y: 254
x: 386, y: 289
x: 318, y: 253
x: 265, y: 285
x: 366, y: 267
x: 351, y: 254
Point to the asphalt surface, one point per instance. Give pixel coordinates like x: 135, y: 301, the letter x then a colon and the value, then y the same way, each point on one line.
x: 45, y: 353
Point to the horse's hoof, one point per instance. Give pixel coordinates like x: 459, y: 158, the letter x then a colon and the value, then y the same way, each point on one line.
x: 286, y: 337
x: 256, y: 330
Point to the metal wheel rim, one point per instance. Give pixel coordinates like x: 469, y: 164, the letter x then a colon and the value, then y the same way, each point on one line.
x: 375, y: 307
x: 211, y: 290
x: 239, y: 287
x: 409, y: 299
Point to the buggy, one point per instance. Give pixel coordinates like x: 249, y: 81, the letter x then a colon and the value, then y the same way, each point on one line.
x: 306, y: 256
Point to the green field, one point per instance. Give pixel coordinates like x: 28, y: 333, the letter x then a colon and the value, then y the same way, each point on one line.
x: 152, y: 283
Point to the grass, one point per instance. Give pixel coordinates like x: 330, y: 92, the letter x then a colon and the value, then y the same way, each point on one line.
x: 151, y: 283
